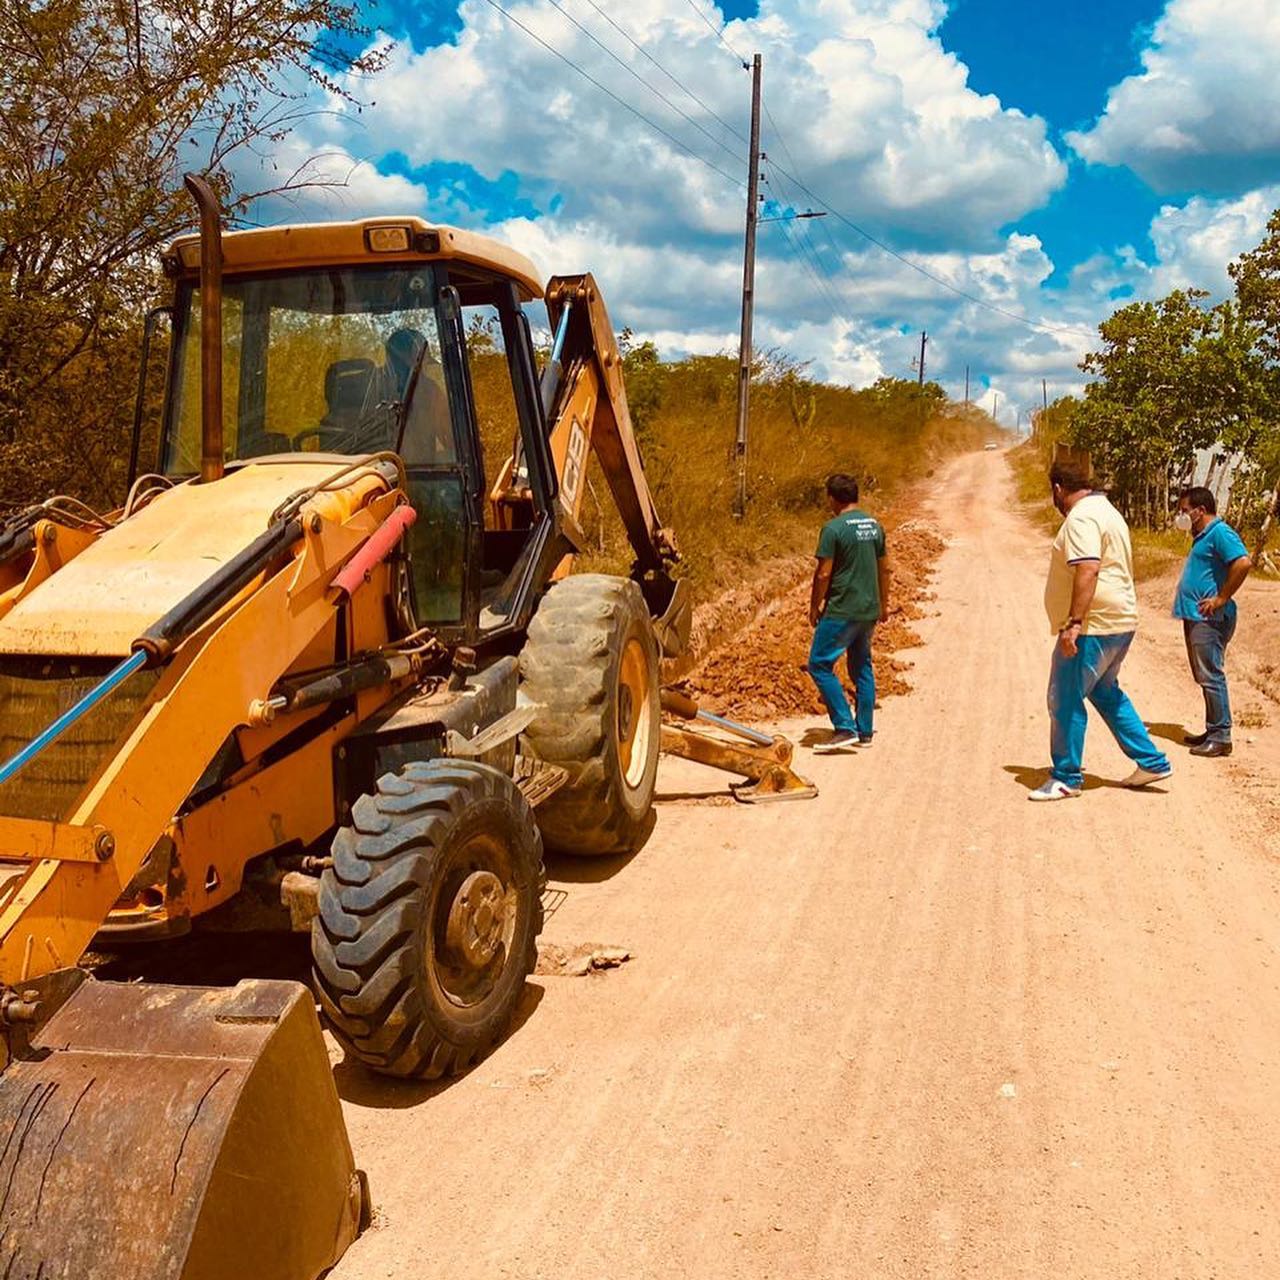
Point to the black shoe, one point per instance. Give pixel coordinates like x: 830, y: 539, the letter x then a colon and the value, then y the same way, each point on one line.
x: 840, y: 741
x: 1194, y: 739
x: 1211, y: 750
x: 864, y: 739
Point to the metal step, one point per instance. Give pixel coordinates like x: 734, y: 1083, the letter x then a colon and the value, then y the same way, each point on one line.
x: 538, y: 780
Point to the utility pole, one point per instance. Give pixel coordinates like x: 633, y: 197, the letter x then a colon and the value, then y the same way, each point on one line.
x: 924, y: 337
x: 1044, y: 391
x: 966, y: 386
x: 748, y: 294
x: 995, y: 409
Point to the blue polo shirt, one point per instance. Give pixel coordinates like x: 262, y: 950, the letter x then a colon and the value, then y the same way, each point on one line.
x: 1213, y: 550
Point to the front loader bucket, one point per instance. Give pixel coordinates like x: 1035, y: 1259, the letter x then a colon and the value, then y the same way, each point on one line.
x: 176, y: 1133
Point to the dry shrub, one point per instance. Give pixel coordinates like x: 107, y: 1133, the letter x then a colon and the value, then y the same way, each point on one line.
x: 800, y: 432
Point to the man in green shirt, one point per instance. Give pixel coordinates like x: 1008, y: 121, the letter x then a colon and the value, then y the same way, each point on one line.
x: 850, y: 595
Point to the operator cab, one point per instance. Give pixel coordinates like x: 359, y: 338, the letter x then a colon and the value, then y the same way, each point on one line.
x: 345, y: 350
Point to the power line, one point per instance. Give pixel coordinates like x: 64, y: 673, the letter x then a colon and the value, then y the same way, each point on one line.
x: 827, y: 283
x: 631, y: 71
x: 626, y: 35
x: 941, y: 281
x: 718, y: 32
x: 893, y: 253
x: 635, y: 111
x: 930, y: 275
x: 777, y: 133
x: 803, y: 258
x: 805, y: 255
x: 778, y: 170
x: 840, y: 282
x: 800, y: 246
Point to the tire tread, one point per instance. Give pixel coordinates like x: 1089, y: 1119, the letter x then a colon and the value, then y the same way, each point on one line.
x: 364, y: 940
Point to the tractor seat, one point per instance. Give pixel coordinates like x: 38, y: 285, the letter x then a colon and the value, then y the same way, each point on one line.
x: 349, y: 392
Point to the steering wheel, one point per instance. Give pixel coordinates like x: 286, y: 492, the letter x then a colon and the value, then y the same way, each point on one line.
x: 362, y: 438
x: 332, y: 439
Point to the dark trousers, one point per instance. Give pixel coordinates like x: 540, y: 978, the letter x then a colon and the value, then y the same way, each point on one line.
x: 1207, y: 642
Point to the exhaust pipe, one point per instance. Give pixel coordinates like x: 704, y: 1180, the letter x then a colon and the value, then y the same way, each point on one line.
x: 211, y: 455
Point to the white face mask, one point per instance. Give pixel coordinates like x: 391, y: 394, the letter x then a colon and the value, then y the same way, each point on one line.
x: 1182, y: 521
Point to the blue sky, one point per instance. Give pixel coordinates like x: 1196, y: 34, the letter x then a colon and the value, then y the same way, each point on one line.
x: 1046, y: 161
x: 1090, y: 45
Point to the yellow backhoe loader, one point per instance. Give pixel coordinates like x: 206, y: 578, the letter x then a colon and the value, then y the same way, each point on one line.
x: 320, y: 671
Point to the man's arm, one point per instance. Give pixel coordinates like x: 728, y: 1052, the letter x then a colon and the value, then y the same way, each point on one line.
x: 1083, y: 586
x: 821, y: 585
x: 1237, y: 572
x: 882, y: 573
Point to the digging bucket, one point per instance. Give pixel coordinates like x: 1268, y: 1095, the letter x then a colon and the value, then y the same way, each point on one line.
x: 176, y: 1133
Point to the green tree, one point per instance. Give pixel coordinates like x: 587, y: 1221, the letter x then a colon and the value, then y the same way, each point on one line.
x: 645, y: 380
x: 1150, y: 409
x: 1257, y: 279
x: 103, y: 104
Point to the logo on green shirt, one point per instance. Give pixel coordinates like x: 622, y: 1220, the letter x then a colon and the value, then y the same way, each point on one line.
x: 854, y: 542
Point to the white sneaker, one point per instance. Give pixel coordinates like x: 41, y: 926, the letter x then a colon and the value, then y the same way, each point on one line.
x: 1145, y: 777
x: 1053, y: 789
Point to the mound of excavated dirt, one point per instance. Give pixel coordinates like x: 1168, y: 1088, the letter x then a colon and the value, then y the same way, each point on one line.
x: 759, y: 673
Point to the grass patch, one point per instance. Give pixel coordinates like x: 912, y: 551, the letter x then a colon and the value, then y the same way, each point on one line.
x: 1030, y: 476
x: 1154, y: 554
x: 1157, y: 554
x: 801, y: 431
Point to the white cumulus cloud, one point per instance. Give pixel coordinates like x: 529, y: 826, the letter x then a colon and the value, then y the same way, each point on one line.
x: 874, y: 112
x: 864, y: 105
x: 1204, y: 111
x: 1195, y: 241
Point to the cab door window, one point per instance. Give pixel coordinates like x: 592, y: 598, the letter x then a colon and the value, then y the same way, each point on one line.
x: 494, y: 328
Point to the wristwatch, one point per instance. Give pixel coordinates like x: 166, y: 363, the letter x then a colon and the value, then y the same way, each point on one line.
x: 1072, y: 622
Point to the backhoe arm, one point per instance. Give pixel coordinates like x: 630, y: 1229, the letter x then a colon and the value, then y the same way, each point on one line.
x: 586, y: 402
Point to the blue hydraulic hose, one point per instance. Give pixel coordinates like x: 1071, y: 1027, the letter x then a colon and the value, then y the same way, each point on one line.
x: 557, y: 347
x: 550, y: 384
x: 64, y: 722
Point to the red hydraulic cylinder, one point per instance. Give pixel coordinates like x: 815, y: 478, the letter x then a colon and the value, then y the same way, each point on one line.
x: 380, y: 545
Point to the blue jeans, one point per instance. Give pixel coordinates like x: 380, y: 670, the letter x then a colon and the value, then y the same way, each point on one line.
x: 1207, y: 642
x: 1094, y: 673
x: 833, y: 637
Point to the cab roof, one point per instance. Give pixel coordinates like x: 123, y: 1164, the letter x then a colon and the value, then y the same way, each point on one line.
x: 325, y: 244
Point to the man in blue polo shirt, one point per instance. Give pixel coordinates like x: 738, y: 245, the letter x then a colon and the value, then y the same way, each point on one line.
x: 1216, y: 566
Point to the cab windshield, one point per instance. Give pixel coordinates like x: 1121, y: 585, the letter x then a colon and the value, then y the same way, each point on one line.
x: 319, y: 361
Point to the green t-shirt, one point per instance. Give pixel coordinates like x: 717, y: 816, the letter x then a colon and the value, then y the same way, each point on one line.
x: 855, y: 542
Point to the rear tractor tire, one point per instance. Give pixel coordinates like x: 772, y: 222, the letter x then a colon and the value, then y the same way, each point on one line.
x: 591, y: 660
x: 429, y: 918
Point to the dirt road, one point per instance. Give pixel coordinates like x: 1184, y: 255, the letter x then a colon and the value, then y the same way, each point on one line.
x: 917, y: 1027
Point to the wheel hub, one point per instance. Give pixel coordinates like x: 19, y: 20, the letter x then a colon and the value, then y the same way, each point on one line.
x: 477, y: 919
x: 626, y: 713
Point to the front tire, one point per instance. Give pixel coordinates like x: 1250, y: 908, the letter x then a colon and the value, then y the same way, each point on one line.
x: 429, y: 918
x: 591, y: 661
